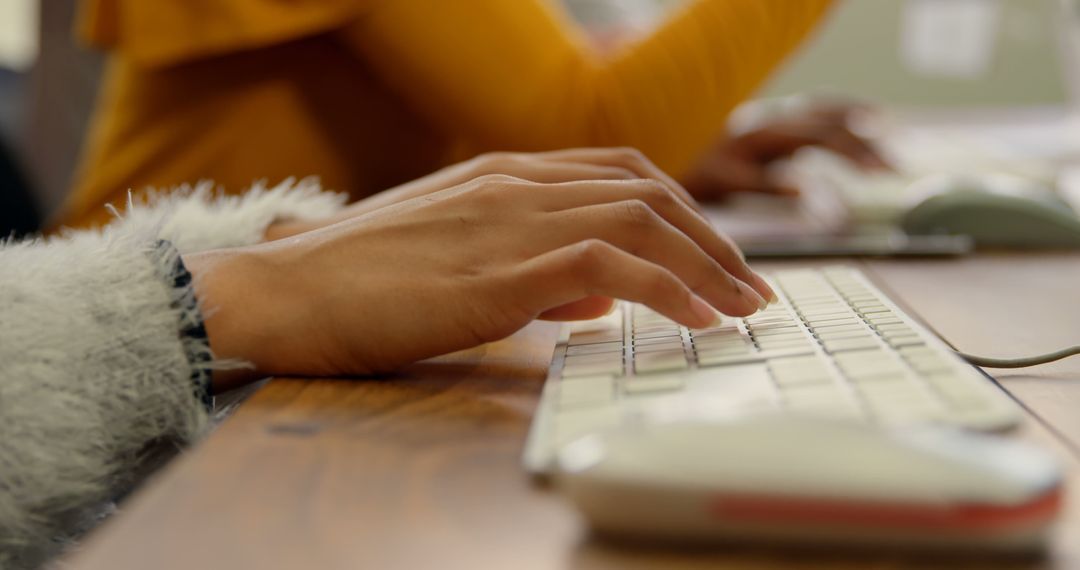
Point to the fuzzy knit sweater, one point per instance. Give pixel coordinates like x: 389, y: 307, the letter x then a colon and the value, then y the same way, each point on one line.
x: 104, y: 368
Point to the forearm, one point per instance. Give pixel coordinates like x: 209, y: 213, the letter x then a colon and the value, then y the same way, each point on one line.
x: 513, y: 75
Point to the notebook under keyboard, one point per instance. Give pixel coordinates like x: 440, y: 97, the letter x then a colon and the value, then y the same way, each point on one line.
x: 833, y: 346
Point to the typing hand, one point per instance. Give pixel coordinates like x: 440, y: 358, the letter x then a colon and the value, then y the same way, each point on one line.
x: 548, y: 167
x: 464, y: 266
x: 740, y: 163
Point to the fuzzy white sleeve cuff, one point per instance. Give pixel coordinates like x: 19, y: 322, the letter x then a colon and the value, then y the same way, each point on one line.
x: 95, y: 375
x: 199, y: 218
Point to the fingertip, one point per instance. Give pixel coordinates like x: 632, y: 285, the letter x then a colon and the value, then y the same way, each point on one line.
x: 704, y: 314
x: 754, y: 301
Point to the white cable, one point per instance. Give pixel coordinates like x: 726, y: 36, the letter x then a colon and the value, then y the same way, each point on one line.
x: 1019, y: 362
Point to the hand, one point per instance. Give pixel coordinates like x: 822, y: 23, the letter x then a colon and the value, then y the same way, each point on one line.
x: 741, y: 163
x: 547, y: 167
x: 464, y: 266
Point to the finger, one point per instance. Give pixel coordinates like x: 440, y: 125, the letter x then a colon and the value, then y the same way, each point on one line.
x: 839, y: 112
x: 855, y: 148
x: 719, y: 178
x: 592, y: 307
x: 775, y: 142
x: 636, y: 228
x: 594, y: 267
x: 770, y: 143
x: 579, y: 194
x: 535, y: 168
x: 628, y: 158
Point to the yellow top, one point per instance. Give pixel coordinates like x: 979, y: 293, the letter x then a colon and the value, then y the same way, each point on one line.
x: 367, y: 94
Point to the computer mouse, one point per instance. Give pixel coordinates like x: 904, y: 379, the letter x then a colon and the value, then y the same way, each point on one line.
x: 812, y: 480
x: 994, y: 210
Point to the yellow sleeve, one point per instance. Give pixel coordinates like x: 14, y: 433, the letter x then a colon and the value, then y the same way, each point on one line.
x: 156, y: 33
x: 516, y: 75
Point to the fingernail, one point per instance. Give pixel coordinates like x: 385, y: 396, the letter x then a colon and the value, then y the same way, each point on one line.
x: 752, y: 296
x: 703, y: 311
x: 763, y: 284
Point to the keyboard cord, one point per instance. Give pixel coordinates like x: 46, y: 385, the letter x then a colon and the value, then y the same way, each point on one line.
x: 1019, y: 362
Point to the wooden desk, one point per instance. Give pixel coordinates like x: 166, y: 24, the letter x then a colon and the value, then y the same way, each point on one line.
x: 423, y: 471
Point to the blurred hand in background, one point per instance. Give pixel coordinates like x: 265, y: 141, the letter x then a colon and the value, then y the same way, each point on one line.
x: 742, y: 160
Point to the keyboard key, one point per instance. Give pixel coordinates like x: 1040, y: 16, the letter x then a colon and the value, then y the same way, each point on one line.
x: 769, y: 319
x: 586, y: 391
x: 826, y: 310
x: 781, y: 335
x: 724, y: 349
x: 900, y: 341
x: 725, y: 341
x: 926, y: 360
x: 869, y: 365
x: 784, y: 329
x: 717, y: 334
x: 831, y: 320
x: 789, y: 341
x: 723, y: 328
x: 738, y: 387
x: 709, y: 359
x: 883, y: 319
x: 592, y: 364
x: 668, y: 346
x: 852, y: 325
x: 843, y: 344
x: 664, y: 361
x: 658, y: 340
x: 594, y: 348
x: 800, y: 370
x: 854, y: 332
x: 652, y: 384
x: 655, y: 331
x: 595, y: 337
x: 958, y: 390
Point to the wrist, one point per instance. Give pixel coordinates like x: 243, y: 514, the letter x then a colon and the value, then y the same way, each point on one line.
x: 232, y: 289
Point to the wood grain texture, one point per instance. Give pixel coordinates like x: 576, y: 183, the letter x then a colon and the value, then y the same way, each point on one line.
x: 422, y: 471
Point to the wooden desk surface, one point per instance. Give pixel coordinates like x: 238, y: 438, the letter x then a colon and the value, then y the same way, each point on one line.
x: 423, y: 471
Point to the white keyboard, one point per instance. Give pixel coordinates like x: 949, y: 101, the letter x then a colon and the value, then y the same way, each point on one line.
x: 833, y: 346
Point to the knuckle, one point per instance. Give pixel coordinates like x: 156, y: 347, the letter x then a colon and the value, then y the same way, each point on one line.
x: 637, y: 213
x: 657, y: 191
x: 493, y: 187
x: 587, y: 259
x: 630, y: 154
x: 589, y: 252
x: 493, y: 161
x: 494, y: 183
